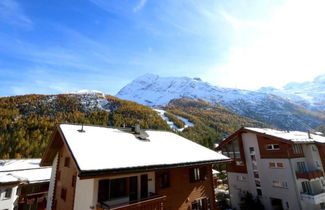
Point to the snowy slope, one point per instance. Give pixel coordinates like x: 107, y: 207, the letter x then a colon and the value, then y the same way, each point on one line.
x: 152, y: 90
x: 171, y: 123
x: 310, y: 95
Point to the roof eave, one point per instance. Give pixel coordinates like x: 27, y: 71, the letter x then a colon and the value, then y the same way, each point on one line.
x: 90, y: 173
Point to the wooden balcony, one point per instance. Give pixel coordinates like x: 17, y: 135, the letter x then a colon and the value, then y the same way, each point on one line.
x: 310, y: 174
x: 150, y: 203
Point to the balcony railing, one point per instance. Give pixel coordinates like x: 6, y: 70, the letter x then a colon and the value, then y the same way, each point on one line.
x: 316, y: 198
x: 309, y: 174
x: 150, y: 203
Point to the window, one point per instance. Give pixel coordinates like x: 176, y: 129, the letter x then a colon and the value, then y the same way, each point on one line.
x: 259, y: 192
x: 63, y: 194
x: 257, y: 183
x: 118, y: 188
x: 276, y: 165
x: 73, y: 182
x: 197, y: 174
x: 251, y: 150
x: 201, y: 204
x: 8, y: 192
x: 103, y: 190
x: 272, y: 147
x: 297, y: 149
x: 317, y: 164
x: 306, y: 188
x: 163, y: 179
x: 254, y: 165
x: 301, y: 167
x: 241, y: 178
x: 232, y: 149
x: 279, y: 165
x: 280, y: 184
x: 67, y: 162
x: 236, y: 149
x: 322, y: 205
x: 109, y: 189
x: 313, y: 148
x: 256, y: 175
x: 253, y: 157
x: 323, y: 183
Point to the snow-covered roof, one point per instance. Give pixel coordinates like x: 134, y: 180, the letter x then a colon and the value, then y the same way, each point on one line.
x: 103, y: 148
x: 23, y: 170
x: 294, y: 136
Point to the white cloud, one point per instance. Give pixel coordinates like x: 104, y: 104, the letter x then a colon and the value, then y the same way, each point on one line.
x: 140, y: 5
x: 288, y: 45
x: 12, y: 13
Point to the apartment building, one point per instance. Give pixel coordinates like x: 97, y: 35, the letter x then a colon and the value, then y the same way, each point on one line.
x: 23, y: 184
x: 284, y: 169
x: 101, y: 168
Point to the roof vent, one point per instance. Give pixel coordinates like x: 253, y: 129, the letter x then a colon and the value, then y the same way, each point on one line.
x: 136, y: 129
x: 309, y: 136
x: 82, y: 129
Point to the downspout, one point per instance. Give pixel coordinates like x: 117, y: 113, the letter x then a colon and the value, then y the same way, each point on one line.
x: 295, y: 180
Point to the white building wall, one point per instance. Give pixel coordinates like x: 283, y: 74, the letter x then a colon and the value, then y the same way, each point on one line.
x: 52, y: 184
x: 290, y: 196
x: 8, y: 203
x: 236, y: 187
x: 267, y: 175
x: 85, y: 194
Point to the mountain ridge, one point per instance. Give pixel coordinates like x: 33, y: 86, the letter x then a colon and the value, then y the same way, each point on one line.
x: 153, y: 90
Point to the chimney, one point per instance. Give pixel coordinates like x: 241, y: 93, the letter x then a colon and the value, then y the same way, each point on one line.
x: 137, y: 128
x: 82, y: 128
x: 309, y: 136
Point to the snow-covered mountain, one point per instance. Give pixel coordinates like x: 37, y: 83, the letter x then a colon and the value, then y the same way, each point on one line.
x: 310, y: 95
x: 152, y: 90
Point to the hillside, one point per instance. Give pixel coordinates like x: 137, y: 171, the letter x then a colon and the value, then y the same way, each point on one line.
x: 321, y: 129
x: 152, y: 90
x: 27, y: 122
x: 209, y: 120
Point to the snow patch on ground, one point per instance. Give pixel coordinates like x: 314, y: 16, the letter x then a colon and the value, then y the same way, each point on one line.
x: 171, y: 124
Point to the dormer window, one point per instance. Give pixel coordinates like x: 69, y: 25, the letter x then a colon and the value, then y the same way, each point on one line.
x: 272, y: 147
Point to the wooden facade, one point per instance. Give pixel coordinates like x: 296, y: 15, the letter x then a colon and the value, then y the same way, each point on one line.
x: 285, y: 148
x: 65, y: 182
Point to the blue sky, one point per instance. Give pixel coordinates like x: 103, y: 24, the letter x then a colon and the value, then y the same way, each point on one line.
x: 63, y: 46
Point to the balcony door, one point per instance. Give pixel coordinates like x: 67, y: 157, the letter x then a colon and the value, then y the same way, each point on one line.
x: 133, y: 188
x: 301, y: 167
x: 144, y: 186
x: 306, y: 188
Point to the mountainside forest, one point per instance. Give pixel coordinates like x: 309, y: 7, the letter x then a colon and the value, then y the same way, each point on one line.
x: 27, y: 122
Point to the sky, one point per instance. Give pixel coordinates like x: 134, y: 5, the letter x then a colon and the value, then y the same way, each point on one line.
x: 50, y: 47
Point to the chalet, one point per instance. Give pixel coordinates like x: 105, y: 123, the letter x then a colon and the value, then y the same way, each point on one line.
x: 109, y: 168
x: 23, y: 184
x: 284, y: 169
